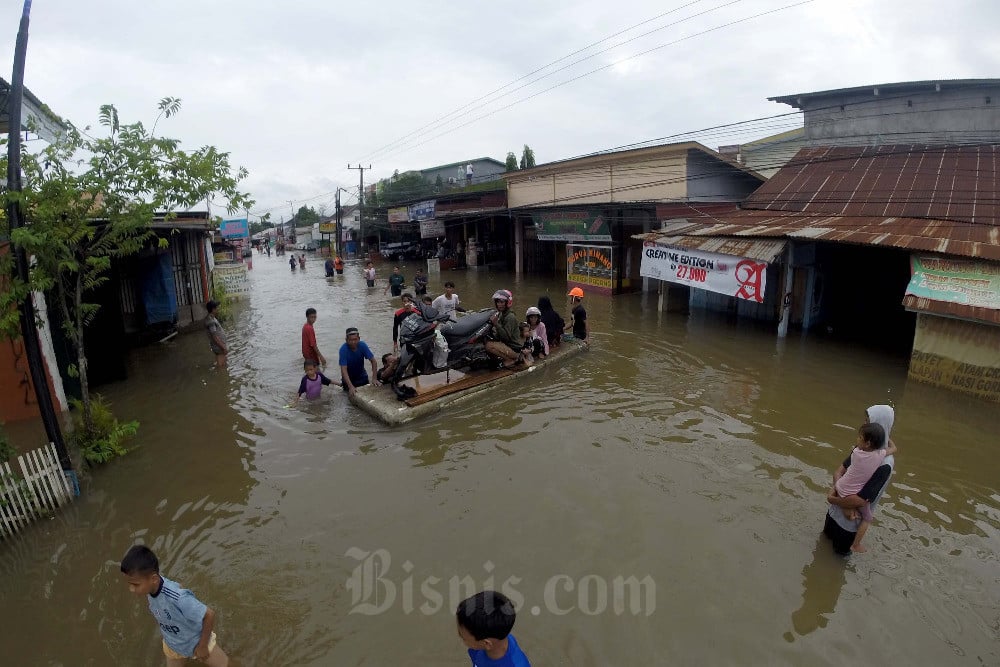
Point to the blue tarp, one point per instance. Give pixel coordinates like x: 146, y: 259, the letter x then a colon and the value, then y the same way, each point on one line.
x: 158, y: 293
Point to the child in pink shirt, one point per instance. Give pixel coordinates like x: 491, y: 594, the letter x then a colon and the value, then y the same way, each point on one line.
x: 866, y: 458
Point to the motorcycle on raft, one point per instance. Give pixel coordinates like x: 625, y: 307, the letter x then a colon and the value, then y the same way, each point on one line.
x: 420, y: 345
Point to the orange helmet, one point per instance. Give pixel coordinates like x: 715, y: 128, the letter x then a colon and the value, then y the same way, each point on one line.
x: 577, y: 292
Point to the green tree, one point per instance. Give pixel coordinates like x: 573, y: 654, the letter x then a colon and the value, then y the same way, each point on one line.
x: 511, y: 161
x: 527, y: 158
x: 306, y: 217
x: 89, y: 200
x: 400, y: 188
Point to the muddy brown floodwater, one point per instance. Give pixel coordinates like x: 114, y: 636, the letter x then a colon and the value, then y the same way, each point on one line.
x: 656, y: 500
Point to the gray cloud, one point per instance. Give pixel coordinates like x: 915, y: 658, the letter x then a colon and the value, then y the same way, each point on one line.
x: 297, y: 90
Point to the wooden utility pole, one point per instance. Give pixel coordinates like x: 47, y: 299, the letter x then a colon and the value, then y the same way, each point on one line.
x: 361, y: 204
x: 15, y: 214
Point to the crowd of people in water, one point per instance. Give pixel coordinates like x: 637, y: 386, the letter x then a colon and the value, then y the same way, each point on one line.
x: 484, y: 621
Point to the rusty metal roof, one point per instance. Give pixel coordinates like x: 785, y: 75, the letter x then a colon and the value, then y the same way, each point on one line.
x: 938, y: 236
x: 940, y: 182
x: 764, y: 250
x: 949, y: 309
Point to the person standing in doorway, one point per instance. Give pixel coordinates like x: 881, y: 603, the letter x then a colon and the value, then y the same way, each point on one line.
x: 353, y: 354
x: 216, y: 335
x: 310, y: 350
x: 581, y: 328
x: 369, y: 274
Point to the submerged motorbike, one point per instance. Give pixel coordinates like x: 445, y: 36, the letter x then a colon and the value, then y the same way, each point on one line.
x: 420, y: 347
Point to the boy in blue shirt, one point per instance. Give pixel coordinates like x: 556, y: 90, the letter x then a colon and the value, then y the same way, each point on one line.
x: 185, y: 622
x: 484, y: 624
x: 352, y: 362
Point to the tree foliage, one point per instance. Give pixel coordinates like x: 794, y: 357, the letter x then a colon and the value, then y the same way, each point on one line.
x: 91, y: 199
x: 306, y: 217
x: 400, y: 188
x: 511, y: 161
x: 527, y: 158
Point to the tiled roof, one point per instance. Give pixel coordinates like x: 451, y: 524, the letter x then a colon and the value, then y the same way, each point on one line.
x: 959, y: 183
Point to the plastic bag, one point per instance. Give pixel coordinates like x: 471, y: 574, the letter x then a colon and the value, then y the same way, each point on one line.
x: 440, y: 355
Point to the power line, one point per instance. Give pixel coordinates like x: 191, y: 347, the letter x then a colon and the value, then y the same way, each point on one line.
x: 602, y: 68
x: 441, y: 121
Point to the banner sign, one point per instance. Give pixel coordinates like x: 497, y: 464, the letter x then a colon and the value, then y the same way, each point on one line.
x: 431, y: 229
x: 964, y: 281
x: 957, y: 355
x: 723, y: 274
x: 422, y: 211
x: 233, y: 278
x: 590, y: 265
x: 328, y: 228
x: 572, y: 226
x: 401, y: 214
x: 232, y: 229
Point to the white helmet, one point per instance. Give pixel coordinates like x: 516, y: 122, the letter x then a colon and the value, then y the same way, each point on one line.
x: 532, y: 311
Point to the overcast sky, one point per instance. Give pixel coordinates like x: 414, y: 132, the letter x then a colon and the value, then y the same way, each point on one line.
x: 297, y: 90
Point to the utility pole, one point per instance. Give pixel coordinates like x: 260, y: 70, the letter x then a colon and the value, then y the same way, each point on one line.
x: 338, y: 229
x: 361, y: 203
x: 15, y: 214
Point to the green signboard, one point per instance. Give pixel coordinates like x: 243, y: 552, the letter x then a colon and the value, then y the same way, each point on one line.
x: 965, y: 281
x: 572, y: 226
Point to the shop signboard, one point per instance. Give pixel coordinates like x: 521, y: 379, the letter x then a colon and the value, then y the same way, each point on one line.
x: 328, y: 228
x: 724, y: 274
x: 400, y: 214
x: 422, y: 211
x: 234, y: 229
x: 431, y: 229
x: 233, y: 278
x: 581, y: 226
x: 965, y: 281
x: 590, y: 265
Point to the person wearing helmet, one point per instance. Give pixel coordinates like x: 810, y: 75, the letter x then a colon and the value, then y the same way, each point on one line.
x: 505, y: 339
x: 581, y: 329
x: 537, y: 335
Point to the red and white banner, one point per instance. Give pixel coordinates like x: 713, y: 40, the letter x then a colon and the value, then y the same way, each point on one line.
x: 724, y: 274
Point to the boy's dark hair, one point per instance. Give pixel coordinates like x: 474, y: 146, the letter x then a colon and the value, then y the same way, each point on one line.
x: 385, y: 357
x: 873, y: 434
x: 211, y: 306
x: 487, y: 615
x: 309, y: 362
x: 352, y: 330
x: 449, y: 284
x: 406, y: 295
x: 140, y: 559
x: 427, y: 298
x: 310, y: 311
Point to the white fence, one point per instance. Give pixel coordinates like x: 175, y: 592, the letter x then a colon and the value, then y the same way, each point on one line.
x: 36, y: 492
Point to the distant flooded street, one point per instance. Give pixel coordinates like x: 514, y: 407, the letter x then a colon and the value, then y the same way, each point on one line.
x: 688, y: 449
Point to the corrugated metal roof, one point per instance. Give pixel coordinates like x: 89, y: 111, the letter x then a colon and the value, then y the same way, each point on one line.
x: 939, y: 182
x: 949, y: 309
x: 764, y: 250
x: 937, y: 236
x: 881, y: 88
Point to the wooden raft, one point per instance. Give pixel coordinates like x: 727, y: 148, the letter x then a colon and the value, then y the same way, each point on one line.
x: 467, y: 382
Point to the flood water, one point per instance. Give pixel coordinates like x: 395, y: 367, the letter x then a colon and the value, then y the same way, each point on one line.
x: 686, y: 449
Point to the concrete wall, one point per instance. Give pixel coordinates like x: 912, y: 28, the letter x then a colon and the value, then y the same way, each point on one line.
x: 710, y: 180
x: 952, y: 115
x: 485, y: 170
x: 957, y: 355
x: 767, y: 158
x: 663, y: 177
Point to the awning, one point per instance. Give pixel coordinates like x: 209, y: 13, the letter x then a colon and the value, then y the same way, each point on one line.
x: 920, y: 234
x: 954, y: 287
x: 762, y: 250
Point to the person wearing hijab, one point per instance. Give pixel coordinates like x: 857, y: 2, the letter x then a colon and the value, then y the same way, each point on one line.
x: 554, y: 323
x: 837, y: 526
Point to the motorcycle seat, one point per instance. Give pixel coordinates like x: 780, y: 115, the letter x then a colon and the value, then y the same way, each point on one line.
x: 465, y: 325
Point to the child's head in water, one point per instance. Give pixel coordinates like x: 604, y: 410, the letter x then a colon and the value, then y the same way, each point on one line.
x: 871, y: 437
x: 485, y: 620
